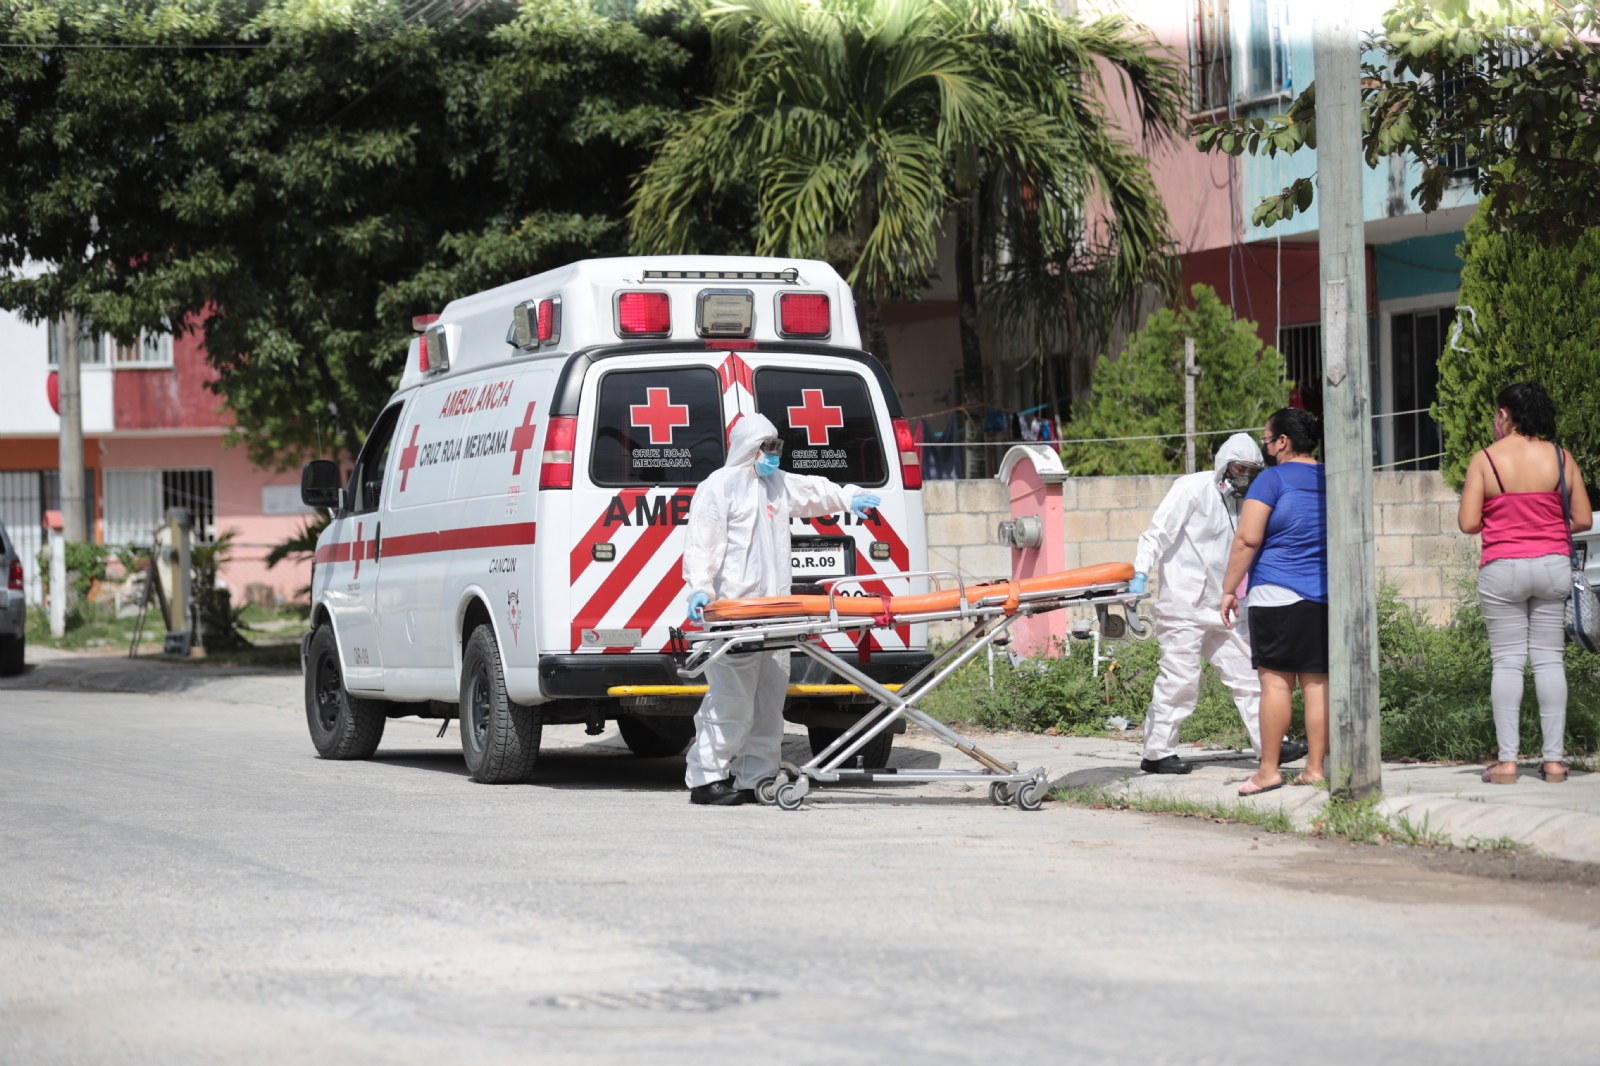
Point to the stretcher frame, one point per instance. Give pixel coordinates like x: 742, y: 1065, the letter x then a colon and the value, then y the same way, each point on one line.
x: 989, y: 619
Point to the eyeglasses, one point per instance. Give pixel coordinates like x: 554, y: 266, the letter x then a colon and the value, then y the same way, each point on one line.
x: 1266, y: 440
x: 772, y: 446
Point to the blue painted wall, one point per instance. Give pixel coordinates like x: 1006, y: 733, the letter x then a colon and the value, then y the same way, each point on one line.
x: 1419, y: 266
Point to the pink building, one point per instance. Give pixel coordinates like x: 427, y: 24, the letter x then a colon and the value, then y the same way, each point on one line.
x: 153, y: 439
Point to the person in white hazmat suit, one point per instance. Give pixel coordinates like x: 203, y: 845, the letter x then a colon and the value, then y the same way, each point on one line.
x: 1190, y: 536
x: 738, y: 546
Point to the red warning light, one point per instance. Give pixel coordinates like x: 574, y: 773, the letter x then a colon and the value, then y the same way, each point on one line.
x: 803, y: 314
x: 640, y: 314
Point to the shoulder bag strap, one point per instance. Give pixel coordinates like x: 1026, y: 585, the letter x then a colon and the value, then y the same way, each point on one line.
x: 1566, y: 503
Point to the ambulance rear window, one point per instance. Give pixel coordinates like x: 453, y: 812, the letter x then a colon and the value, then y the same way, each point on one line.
x: 658, y: 427
x: 827, y: 424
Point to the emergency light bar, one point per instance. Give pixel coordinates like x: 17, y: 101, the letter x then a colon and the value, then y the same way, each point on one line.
x: 789, y: 275
x: 725, y: 312
x: 803, y: 314
x: 535, y: 322
x: 644, y: 314
x: 433, y: 354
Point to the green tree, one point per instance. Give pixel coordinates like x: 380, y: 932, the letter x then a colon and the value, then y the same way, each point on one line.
x: 300, y: 179
x: 1140, y: 394
x: 855, y: 125
x: 1531, y: 318
x: 1504, y: 86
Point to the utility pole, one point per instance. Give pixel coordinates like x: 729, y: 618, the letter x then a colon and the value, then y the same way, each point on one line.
x: 1355, y: 753
x: 1189, y: 374
x: 74, y: 522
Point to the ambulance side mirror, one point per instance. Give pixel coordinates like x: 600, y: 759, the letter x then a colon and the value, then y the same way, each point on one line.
x: 319, y: 484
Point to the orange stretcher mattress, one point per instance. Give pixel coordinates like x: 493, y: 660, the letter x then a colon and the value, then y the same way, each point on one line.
x: 760, y: 607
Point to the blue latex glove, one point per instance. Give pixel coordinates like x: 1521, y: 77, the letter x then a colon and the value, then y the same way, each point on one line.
x: 1136, y: 586
x: 864, y: 503
x: 697, y: 605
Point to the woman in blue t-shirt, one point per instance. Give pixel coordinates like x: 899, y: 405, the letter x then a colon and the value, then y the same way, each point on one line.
x: 1282, y: 541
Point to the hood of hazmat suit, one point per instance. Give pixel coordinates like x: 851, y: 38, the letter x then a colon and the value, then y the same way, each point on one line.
x: 1191, y: 534
x: 738, y: 536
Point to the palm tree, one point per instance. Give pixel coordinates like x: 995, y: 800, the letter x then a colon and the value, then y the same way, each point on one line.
x: 858, y: 124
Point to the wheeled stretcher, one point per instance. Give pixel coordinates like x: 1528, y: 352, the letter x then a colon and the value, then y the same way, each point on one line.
x: 800, y: 623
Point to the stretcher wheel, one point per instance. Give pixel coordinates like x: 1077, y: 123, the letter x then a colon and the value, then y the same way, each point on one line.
x: 767, y: 791
x: 1142, y: 619
x: 1030, y: 797
x: 999, y: 793
x: 788, y: 796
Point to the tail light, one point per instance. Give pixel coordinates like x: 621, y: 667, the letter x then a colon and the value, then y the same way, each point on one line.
x: 644, y: 314
x: 555, y: 466
x: 910, y: 465
x: 803, y: 314
x: 15, y: 581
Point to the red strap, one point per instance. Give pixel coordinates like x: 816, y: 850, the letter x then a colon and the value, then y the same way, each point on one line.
x: 864, y: 647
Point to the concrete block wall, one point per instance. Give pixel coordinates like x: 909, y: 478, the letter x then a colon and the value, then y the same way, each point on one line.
x: 1417, y: 546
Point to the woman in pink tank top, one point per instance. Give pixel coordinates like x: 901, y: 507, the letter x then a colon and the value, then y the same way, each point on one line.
x: 1511, y: 496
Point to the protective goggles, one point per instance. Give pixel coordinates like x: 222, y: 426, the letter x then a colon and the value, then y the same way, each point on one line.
x: 772, y: 446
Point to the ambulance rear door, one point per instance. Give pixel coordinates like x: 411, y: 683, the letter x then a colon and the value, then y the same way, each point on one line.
x: 650, y: 429
x: 835, y: 423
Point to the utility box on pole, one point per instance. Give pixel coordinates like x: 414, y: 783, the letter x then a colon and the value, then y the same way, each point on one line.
x: 1355, y: 753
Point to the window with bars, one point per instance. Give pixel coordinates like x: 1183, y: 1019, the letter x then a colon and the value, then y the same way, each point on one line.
x: 1210, y: 55
x: 91, y: 348
x: 25, y: 495
x: 137, y: 501
x: 1417, y: 340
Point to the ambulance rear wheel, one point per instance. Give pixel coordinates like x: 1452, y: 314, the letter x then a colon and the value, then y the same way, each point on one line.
x: 499, y: 738
x: 656, y: 737
x: 875, y: 752
x: 342, y: 726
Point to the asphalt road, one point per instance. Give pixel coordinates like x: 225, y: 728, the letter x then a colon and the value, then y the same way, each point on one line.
x: 183, y: 880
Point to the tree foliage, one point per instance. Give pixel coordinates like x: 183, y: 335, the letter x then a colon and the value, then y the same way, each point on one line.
x: 1508, y: 87
x: 1140, y: 394
x: 854, y: 125
x: 301, y: 200
x: 1531, y: 318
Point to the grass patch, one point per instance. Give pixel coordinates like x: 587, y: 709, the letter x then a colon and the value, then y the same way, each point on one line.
x: 1353, y: 821
x: 1064, y: 694
x: 1272, y: 819
x: 91, y: 625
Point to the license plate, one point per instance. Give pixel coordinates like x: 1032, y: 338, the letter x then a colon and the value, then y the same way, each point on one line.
x: 811, y: 558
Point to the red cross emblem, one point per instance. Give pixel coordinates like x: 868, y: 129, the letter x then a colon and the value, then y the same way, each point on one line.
x: 815, y: 417
x: 408, y: 458
x: 522, y: 437
x: 660, y: 415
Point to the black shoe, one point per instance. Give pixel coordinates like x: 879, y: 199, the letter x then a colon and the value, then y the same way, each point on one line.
x: 1291, y: 752
x: 719, y: 794
x: 1170, y: 765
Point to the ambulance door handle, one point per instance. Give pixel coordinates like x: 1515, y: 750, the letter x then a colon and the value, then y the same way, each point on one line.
x: 377, y: 541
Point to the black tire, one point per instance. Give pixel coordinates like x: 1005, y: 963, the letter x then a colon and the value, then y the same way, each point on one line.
x: 342, y: 726
x: 11, y: 649
x: 499, y: 738
x: 875, y: 752
x: 656, y: 737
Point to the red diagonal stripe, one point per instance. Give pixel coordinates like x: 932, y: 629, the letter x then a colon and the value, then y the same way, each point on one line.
x: 583, y: 551
x: 622, y: 574
x: 669, y: 588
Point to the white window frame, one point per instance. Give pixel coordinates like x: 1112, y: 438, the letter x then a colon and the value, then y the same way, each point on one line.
x: 1387, y: 309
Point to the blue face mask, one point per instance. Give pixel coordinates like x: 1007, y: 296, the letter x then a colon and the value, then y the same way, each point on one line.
x: 767, y: 464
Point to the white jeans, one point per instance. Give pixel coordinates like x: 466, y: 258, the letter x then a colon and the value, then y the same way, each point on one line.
x: 1525, y: 605
x: 738, y: 731
x: 1177, y: 690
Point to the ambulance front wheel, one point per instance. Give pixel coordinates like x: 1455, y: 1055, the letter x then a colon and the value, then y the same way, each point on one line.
x: 342, y: 726
x: 499, y: 738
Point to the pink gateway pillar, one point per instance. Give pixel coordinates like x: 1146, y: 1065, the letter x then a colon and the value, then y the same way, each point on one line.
x: 1032, y: 474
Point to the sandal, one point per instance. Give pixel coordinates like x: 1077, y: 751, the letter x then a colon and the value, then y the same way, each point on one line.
x: 1491, y: 777
x: 1555, y: 777
x: 1252, y: 789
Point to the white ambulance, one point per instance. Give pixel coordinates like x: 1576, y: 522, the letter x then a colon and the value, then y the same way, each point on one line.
x: 508, y: 548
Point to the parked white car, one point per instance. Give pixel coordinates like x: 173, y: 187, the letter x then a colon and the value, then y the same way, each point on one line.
x: 13, y: 609
x: 586, y: 404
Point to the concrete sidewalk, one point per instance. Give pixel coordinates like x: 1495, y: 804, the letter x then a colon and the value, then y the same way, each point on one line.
x: 1559, y: 820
